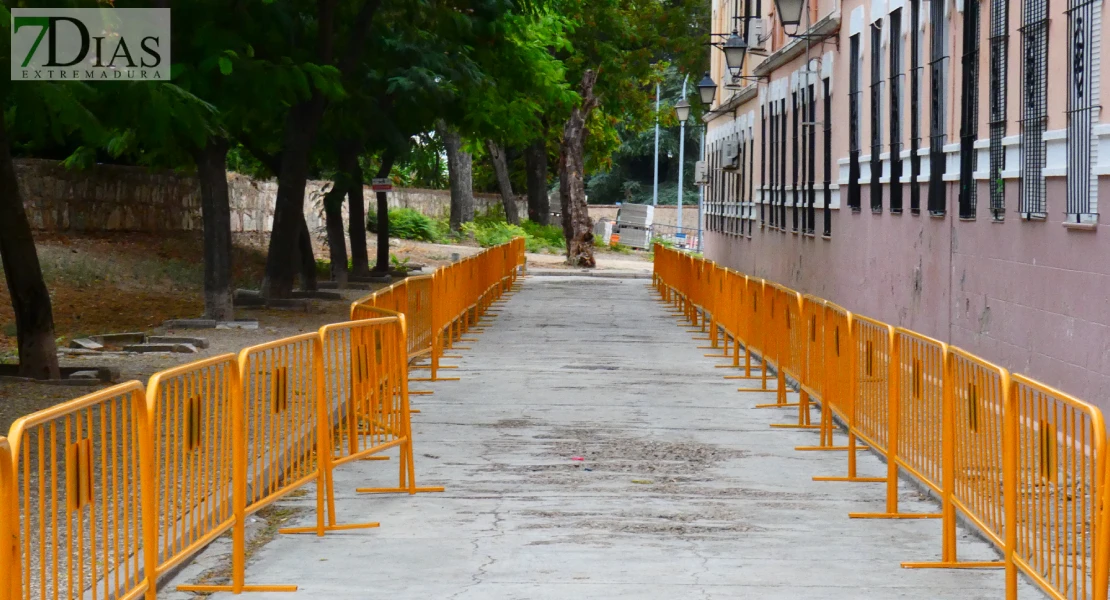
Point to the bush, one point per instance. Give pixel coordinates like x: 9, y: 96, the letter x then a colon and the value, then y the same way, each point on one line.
x: 406, y: 224
x: 493, y: 233
x: 543, y: 237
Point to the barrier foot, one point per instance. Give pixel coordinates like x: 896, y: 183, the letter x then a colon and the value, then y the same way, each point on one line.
x: 850, y: 479
x: 955, y: 565
x: 212, y: 589
x: 414, y: 411
x: 828, y: 448
x: 399, y: 490
x: 741, y: 367
x: 703, y: 340
x: 742, y: 377
x: 717, y: 356
x: 761, y: 390
x: 421, y: 392
x: 452, y: 356
x: 433, y: 379
x: 468, y: 339
x: 376, y: 457
x: 776, y: 405
x: 349, y: 527
x: 793, y: 426
x: 894, y: 515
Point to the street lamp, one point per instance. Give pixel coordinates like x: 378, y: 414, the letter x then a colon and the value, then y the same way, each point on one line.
x: 682, y: 110
x: 790, y: 12
x: 708, y: 90
x: 735, y: 49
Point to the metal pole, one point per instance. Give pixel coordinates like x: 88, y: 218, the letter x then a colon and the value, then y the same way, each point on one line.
x: 655, y: 188
x: 701, y: 193
x: 681, y: 156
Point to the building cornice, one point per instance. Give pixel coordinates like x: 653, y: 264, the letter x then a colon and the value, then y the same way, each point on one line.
x: 746, y: 93
x: 818, y: 32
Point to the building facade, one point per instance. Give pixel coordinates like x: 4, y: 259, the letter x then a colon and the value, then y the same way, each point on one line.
x: 935, y: 164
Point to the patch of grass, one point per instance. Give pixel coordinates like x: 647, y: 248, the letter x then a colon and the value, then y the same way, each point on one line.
x: 541, y: 238
x: 492, y: 234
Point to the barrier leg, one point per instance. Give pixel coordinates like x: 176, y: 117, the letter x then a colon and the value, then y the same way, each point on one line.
x: 827, y: 427
x: 803, y: 415
x: 852, y: 477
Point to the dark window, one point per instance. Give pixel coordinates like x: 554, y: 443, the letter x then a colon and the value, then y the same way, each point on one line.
x: 773, y: 188
x: 782, y: 171
x: 853, y: 124
x: 795, y: 163
x: 876, y: 117
x: 969, y: 110
x: 1034, y: 36
x: 811, y: 136
x: 937, y: 137
x: 751, y: 182
x: 1000, y: 40
x: 1082, y: 187
x: 896, y: 111
x: 827, y: 108
x: 916, y: 71
x: 762, y: 163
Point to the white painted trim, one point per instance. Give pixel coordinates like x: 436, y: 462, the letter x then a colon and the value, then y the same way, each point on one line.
x: 855, y: 21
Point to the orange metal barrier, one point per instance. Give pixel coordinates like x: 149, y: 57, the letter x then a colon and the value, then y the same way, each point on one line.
x: 81, y: 493
x: 9, y: 583
x: 1024, y: 463
x: 1060, y: 488
x: 365, y: 392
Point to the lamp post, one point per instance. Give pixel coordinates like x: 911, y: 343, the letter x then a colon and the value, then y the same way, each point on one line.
x: 655, y: 187
x: 707, y: 88
x: 682, y: 109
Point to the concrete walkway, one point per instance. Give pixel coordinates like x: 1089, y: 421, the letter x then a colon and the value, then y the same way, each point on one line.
x: 685, y: 492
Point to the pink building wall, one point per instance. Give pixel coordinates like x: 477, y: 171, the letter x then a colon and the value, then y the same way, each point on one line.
x: 1030, y: 295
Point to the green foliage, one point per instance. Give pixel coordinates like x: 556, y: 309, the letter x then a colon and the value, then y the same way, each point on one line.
x: 493, y: 233
x: 665, y: 242
x: 542, y: 237
x: 406, y: 224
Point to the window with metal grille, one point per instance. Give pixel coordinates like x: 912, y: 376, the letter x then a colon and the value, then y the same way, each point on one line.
x: 762, y: 164
x: 1082, y: 186
x: 937, y: 71
x: 1000, y: 40
x: 751, y: 181
x: 773, y: 187
x: 876, y: 117
x: 826, y: 104
x: 896, y: 111
x: 916, y: 71
x: 782, y: 171
x: 795, y: 163
x: 713, y: 150
x: 969, y: 110
x: 853, y: 124
x: 1034, y: 105
x: 811, y: 136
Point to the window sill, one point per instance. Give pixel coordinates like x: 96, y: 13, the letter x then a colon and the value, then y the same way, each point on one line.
x: 967, y: 219
x: 1081, y: 226
x: 827, y: 238
x: 942, y: 215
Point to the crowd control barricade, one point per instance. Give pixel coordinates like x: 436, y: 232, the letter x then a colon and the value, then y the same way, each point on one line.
x: 365, y: 393
x: 977, y: 448
x: 82, y: 497
x: 9, y: 584
x: 1061, y: 469
x: 796, y: 332
x: 771, y: 320
x: 900, y: 403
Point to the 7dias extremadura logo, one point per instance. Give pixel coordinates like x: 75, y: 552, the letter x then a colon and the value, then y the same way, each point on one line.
x: 112, y: 44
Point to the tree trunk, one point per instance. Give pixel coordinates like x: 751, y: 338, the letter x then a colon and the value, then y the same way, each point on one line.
x: 382, y: 268
x: 577, y: 226
x: 501, y: 170
x: 539, y: 207
x: 356, y: 209
x: 34, y: 318
x: 333, y: 222
x: 460, y: 171
x: 307, y: 258
x: 300, y: 132
x: 216, y: 213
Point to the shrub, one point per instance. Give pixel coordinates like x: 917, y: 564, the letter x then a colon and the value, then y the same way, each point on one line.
x: 406, y: 224
x: 494, y: 233
x: 543, y: 237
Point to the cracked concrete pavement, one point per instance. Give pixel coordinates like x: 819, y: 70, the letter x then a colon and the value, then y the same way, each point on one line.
x: 682, y: 491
